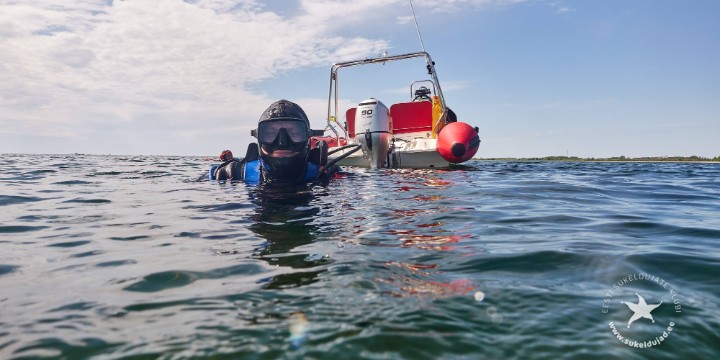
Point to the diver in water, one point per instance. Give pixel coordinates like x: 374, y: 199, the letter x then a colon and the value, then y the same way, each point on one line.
x: 282, y: 153
x: 230, y: 168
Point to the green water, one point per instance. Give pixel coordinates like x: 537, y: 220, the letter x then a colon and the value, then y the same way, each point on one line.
x: 128, y: 257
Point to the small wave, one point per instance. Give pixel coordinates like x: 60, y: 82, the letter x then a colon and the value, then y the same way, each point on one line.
x: 14, y: 199
x: 41, y: 171
x: 178, y: 278
x: 69, y: 244
x: 88, y: 253
x: 533, y: 262
x: 223, y: 206
x: 7, y: 269
x: 550, y: 219
x: 78, y: 306
x: 188, y: 234
x: 108, y: 173
x: 58, y: 348
x: 20, y: 228
x: 652, y: 229
x: 686, y: 268
x: 73, y: 182
x: 88, y: 201
x: 129, y: 238
x: 116, y: 263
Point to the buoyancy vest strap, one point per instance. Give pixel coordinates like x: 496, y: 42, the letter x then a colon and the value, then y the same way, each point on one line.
x: 252, y: 173
x: 312, y: 171
x: 211, y: 173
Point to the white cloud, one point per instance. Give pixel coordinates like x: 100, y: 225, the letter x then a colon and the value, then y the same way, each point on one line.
x: 457, y: 5
x: 432, y: 7
x: 560, y: 7
x: 69, y: 66
x: 87, y: 68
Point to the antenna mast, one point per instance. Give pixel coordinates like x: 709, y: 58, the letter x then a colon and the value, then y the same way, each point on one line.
x: 416, y: 26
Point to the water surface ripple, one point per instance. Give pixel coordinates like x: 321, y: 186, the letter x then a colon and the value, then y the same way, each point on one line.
x: 127, y: 257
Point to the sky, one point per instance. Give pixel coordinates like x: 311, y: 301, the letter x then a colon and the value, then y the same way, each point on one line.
x: 537, y: 77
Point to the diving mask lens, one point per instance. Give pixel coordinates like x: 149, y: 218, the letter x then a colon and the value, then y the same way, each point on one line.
x: 269, y: 130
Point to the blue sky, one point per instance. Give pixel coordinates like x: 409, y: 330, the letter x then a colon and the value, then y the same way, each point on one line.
x: 539, y: 78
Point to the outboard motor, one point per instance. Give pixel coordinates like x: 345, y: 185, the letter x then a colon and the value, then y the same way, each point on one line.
x: 373, y: 131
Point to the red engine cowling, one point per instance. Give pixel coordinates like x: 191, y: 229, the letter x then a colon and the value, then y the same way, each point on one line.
x: 457, y: 142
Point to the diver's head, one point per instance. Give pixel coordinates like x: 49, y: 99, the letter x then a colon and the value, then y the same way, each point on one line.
x: 226, y: 155
x: 283, y: 134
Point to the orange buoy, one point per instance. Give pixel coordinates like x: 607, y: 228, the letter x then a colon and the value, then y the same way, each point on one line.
x: 457, y: 142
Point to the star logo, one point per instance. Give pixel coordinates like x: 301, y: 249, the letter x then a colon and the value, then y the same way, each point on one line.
x: 640, y: 310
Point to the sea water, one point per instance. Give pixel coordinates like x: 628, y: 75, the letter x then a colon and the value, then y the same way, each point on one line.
x: 129, y: 257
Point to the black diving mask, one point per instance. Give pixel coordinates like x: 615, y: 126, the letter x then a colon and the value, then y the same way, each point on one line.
x: 284, y: 138
x: 295, y: 131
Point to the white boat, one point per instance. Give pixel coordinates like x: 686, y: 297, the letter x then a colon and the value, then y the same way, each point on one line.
x: 420, y: 133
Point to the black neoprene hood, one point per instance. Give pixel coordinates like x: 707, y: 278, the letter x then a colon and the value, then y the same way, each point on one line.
x: 284, y: 109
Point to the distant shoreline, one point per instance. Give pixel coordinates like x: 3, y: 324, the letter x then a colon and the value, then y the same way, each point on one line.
x: 675, y: 159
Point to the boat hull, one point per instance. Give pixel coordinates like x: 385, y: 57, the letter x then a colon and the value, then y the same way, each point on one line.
x: 413, y: 154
